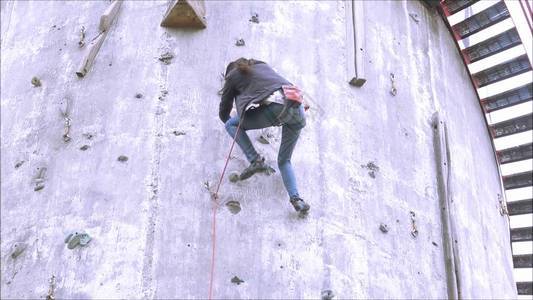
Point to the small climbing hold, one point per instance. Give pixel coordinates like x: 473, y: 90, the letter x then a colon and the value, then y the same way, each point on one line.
x: 178, y: 133
x: 39, y: 180
x: 51, y: 289
x: 207, y: 185
x: 19, y: 164
x: 240, y: 42
x: 36, y: 81
x: 138, y: 95
x: 254, y: 18
x: 166, y: 58
x: 384, y: 228
x: 88, y: 136
x: 327, y: 295
x: 122, y: 158
x: 84, y: 147
x: 236, y: 280
x: 233, y: 206
x: 81, y: 42
x: 372, y: 167
x: 393, y: 90
x: 77, y: 239
x: 435, y: 244
x: 234, y: 176
x: 17, y: 249
x: 68, y: 237
x: 263, y: 140
x: 414, y: 230
x: 414, y: 17
x: 66, y: 129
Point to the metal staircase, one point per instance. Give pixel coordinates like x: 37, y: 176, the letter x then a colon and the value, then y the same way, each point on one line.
x: 494, y: 39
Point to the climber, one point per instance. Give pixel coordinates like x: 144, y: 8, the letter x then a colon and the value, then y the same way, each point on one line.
x: 263, y: 98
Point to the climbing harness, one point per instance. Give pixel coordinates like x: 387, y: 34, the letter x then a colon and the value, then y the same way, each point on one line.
x: 215, y: 207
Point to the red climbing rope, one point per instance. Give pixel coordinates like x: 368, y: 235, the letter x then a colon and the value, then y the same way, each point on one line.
x: 215, y: 206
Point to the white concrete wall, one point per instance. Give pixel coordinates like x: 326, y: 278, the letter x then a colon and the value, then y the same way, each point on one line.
x: 150, y: 217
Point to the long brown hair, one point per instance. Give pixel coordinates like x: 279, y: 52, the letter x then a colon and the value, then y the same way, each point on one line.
x: 242, y: 64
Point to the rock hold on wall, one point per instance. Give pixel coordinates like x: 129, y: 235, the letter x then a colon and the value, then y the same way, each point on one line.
x: 185, y: 13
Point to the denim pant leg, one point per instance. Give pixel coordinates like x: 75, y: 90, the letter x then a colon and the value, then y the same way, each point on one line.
x: 261, y: 117
x: 242, y: 138
x: 265, y: 116
x: 289, y: 136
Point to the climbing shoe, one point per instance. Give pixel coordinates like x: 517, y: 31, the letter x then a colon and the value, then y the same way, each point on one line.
x: 300, y: 205
x: 256, y: 166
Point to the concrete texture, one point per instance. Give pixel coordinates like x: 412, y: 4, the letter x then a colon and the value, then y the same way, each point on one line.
x: 150, y: 216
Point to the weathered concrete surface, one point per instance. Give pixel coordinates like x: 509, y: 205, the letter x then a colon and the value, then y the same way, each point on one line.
x: 150, y: 217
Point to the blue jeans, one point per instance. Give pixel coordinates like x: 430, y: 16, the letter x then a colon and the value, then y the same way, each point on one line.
x: 266, y: 116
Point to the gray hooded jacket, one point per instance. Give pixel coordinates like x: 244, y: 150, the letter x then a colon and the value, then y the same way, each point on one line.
x: 253, y: 87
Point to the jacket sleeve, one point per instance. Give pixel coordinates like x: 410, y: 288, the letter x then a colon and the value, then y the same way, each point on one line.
x: 226, y: 102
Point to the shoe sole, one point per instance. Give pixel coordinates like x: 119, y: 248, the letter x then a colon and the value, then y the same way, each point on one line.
x: 267, y: 170
x: 304, y: 212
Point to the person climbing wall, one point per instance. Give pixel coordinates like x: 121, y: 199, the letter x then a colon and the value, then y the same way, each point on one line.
x: 263, y: 98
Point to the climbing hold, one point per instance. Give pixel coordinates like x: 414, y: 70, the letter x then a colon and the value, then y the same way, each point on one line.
x: 81, y: 42
x: 207, y: 185
x: 435, y: 244
x: 77, y: 239
x: 36, y: 82
x: 51, y: 289
x: 372, y: 167
x: 414, y: 230
x: 236, y: 280
x: 84, y: 147
x: 19, y: 164
x: 166, y: 57
x: 393, y: 90
x: 84, y: 239
x: 234, y: 176
x: 233, y: 206
x: 66, y: 129
x: 39, y: 179
x: 122, y: 158
x: 240, y: 42
x: 178, y: 133
x: 384, y: 228
x: 88, y: 136
x: 327, y: 295
x: 185, y: 13
x: 17, y: 249
x: 263, y: 140
x: 68, y: 237
x: 414, y: 17
x: 254, y: 18
x: 138, y: 95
